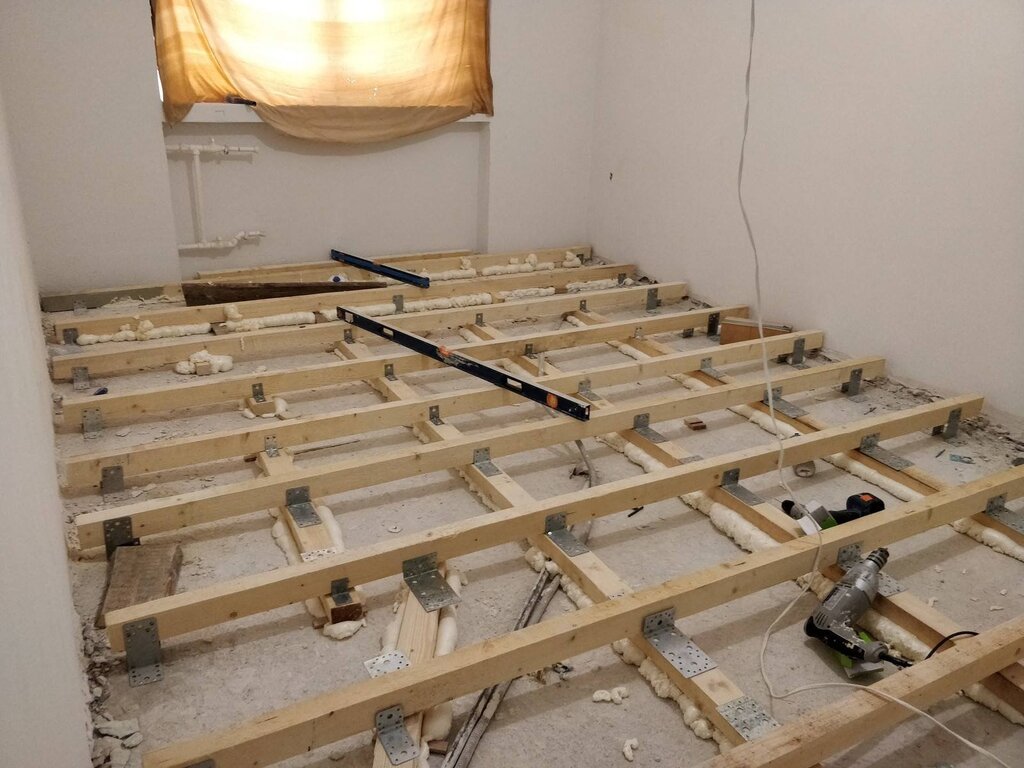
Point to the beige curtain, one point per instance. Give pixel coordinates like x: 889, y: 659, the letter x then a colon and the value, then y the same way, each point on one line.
x: 335, y: 70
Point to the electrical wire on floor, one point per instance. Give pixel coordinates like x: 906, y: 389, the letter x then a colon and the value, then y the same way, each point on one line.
x: 782, y: 450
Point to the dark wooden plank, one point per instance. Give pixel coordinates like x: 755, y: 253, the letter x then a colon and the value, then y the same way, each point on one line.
x: 139, y: 574
x: 198, y: 294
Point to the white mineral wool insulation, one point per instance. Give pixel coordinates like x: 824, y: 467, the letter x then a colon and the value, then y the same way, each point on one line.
x: 525, y: 293
x: 628, y: 747
x: 597, y: 285
x: 218, y: 363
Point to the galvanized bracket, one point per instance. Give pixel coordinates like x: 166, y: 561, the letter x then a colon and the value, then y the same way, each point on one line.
x: 642, y: 426
x: 399, y: 301
x: 621, y: 278
x: 480, y: 319
x: 390, y: 661
x: 714, y: 319
x: 426, y: 582
x: 70, y: 335
x: 852, y: 387
x: 679, y: 650
x: 340, y: 592
x: 849, y: 556
x: 869, y: 447
x: 996, y: 509
x: 142, y: 651
x: 583, y: 305
x: 482, y: 461
x: 691, y: 459
x: 652, y: 303
x: 528, y: 350
x: 783, y: 406
x: 80, y: 378
x: 112, y: 480
x: 257, y: 393
x: 299, y: 506
x: 270, y: 446
x: 92, y: 423
x: 796, y: 357
x: 347, y: 336
x: 389, y: 372
x: 748, y: 717
x: 583, y: 389
x: 392, y: 735
x: 434, y: 414
x: 731, y: 485
x: 118, y: 533
x: 556, y: 530
x: 710, y: 370
x: 951, y: 428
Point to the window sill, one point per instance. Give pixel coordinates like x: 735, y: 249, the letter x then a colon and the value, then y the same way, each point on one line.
x: 242, y: 113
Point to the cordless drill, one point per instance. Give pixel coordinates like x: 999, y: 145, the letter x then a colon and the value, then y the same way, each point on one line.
x: 832, y: 622
x: 858, y: 505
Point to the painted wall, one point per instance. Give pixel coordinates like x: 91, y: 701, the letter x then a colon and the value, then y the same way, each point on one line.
x: 518, y: 181
x: 885, y: 177
x: 85, y: 132
x: 41, y: 682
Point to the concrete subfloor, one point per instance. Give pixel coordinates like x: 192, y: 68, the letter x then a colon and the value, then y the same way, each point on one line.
x: 219, y: 676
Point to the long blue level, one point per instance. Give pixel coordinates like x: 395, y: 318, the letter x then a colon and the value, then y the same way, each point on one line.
x: 381, y: 269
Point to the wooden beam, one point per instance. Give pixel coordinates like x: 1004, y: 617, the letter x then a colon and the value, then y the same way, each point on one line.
x: 83, y: 471
x: 335, y: 715
x: 215, y: 313
x: 377, y: 467
x: 304, y: 266
x: 252, y: 594
x: 246, y: 345
x: 863, y: 714
x: 90, y: 299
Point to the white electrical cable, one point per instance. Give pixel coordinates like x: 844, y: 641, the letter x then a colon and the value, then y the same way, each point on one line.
x: 782, y: 449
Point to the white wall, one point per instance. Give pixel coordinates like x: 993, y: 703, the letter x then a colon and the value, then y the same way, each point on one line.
x: 43, y: 719
x: 518, y: 181
x: 84, y: 118
x: 885, y: 171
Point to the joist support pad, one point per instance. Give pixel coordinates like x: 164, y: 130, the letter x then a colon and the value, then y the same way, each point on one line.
x: 142, y: 652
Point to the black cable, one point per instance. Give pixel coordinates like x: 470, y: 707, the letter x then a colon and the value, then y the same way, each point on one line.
x: 947, y: 638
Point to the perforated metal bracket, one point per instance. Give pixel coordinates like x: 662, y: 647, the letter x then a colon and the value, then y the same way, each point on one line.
x: 951, y: 428
x: 399, y: 301
x: 731, y: 485
x: 748, y: 717
x: 556, y: 530
x: 679, y: 650
x: 434, y: 414
x: 270, y: 446
x: 707, y: 368
x: 482, y: 461
x: 70, y: 335
x: 528, y: 350
x: 583, y: 389
x: 480, y: 319
x: 340, y: 592
x: 642, y: 426
x: 112, y: 480
x: 257, y: 393
x: 996, y: 509
x: 869, y: 447
x: 852, y: 387
x: 783, y: 406
x: 389, y: 372
x: 850, y: 555
x: 142, y: 652
x: 80, y: 378
x: 796, y: 357
x: 392, y: 735
x: 92, y: 423
x: 714, y: 319
x: 390, y: 661
x: 583, y: 305
x: 652, y: 303
x: 118, y: 533
x: 348, y: 336
x: 299, y: 506
x: 427, y: 584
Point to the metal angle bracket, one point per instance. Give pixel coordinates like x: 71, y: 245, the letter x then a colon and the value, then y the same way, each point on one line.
x: 796, y: 357
x: 299, y: 506
x: 427, y: 584
x: 70, y: 335
x: 92, y: 423
x: 731, y: 485
x: 480, y: 319
x: 341, y: 594
x: 852, y: 387
x: 112, y: 480
x: 257, y: 393
x: 391, y: 661
x: 783, y: 406
x: 118, y: 533
x: 392, y: 735
x: 869, y: 447
x: 434, y: 414
x: 714, y: 319
x: 642, y: 426
x: 482, y: 461
x: 80, y: 377
x: 710, y: 370
x: 347, y: 336
x: 996, y: 509
x: 679, y: 650
x: 556, y: 530
x: 849, y: 556
x: 270, y: 446
x: 951, y: 428
x: 748, y: 717
x: 142, y: 651
x: 399, y: 301
x: 652, y: 302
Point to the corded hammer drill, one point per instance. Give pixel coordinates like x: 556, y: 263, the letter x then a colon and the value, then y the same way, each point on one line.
x: 832, y: 622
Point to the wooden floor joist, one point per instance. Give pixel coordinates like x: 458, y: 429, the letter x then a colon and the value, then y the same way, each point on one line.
x: 377, y: 467
x: 224, y: 602
x: 246, y: 345
x: 325, y: 719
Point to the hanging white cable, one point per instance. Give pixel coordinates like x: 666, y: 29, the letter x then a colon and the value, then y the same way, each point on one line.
x: 782, y: 449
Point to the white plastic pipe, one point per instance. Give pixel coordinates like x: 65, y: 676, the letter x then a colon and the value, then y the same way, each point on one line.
x: 231, y: 242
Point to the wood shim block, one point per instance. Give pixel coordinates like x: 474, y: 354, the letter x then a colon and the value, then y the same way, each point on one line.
x: 140, y: 574
x: 694, y: 423
x: 204, y: 368
x: 260, y: 407
x: 741, y: 329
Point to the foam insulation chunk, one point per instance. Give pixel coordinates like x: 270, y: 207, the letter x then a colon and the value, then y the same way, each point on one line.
x: 218, y: 363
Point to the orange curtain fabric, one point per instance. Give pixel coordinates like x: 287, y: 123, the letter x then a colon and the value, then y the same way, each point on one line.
x: 350, y: 71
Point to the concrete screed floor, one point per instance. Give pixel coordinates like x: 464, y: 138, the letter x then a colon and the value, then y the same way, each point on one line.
x: 219, y: 676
